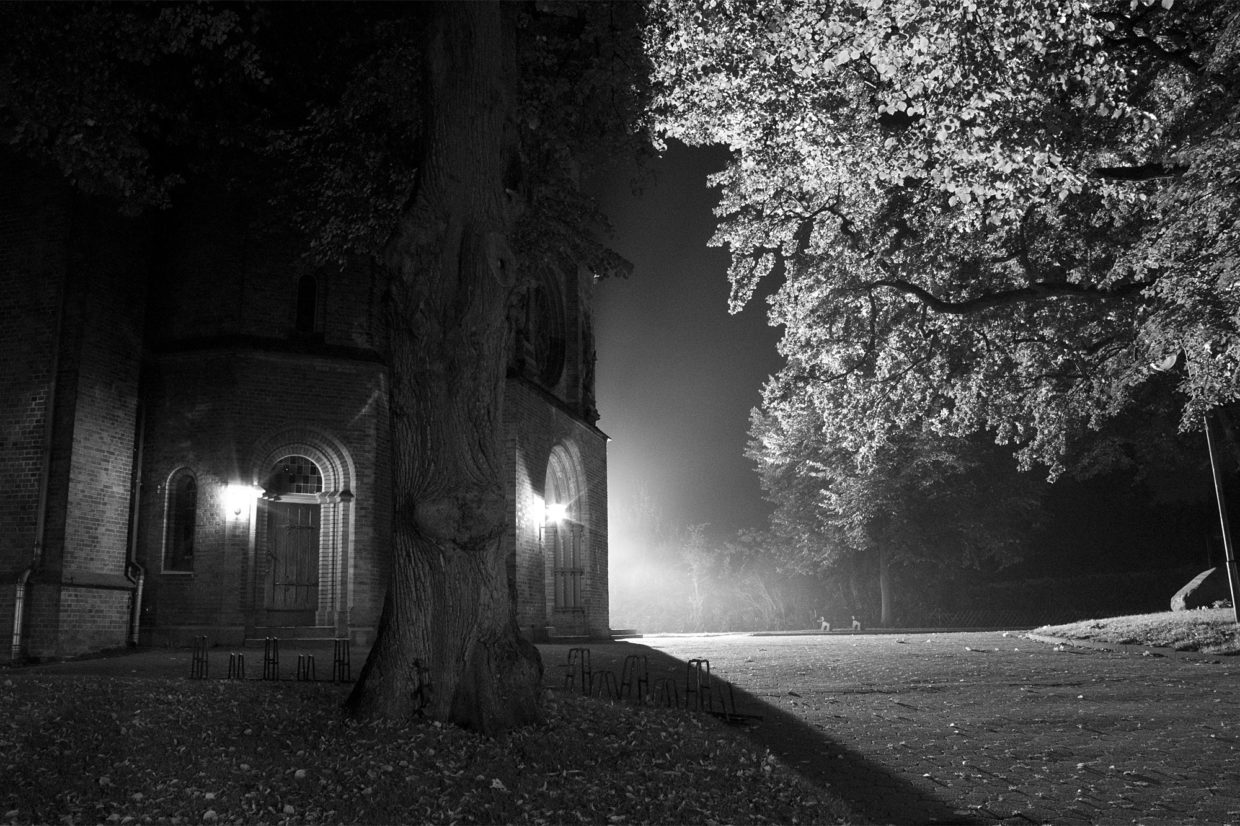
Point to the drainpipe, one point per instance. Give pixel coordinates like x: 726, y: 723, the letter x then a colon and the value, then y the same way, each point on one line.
x: 134, y: 572
x: 45, y: 479
x: 19, y: 607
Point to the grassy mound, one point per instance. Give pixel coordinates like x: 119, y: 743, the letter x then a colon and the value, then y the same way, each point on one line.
x: 1210, y: 631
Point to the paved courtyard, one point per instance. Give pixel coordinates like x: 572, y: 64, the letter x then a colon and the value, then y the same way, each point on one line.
x: 985, y: 727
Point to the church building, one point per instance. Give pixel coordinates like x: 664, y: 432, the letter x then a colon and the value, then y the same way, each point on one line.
x: 194, y: 433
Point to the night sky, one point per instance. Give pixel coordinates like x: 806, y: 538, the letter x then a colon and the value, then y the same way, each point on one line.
x: 677, y: 374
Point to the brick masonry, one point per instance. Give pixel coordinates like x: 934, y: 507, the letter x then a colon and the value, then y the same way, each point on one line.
x: 262, y: 407
x: 536, y: 425
x: 72, y: 353
x: 134, y: 350
x: 34, y: 220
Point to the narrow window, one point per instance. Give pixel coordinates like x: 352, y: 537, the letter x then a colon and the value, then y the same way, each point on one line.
x: 307, y: 304
x: 180, y: 516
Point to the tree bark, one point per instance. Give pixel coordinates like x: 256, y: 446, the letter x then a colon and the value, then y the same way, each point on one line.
x: 448, y: 645
x: 886, y: 594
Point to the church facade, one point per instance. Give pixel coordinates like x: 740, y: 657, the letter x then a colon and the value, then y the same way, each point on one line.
x: 195, y: 426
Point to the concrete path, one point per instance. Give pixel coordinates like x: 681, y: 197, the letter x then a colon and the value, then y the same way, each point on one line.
x: 990, y: 727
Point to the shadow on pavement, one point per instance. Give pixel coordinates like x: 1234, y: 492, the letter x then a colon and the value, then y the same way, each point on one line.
x: 868, y: 788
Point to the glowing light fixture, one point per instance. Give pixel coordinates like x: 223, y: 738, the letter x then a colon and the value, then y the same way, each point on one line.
x: 557, y: 512
x: 237, y: 498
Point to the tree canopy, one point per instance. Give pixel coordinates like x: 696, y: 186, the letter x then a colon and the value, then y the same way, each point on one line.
x: 923, y: 504
x: 988, y: 217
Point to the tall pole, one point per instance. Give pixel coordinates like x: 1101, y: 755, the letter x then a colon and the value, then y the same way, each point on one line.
x: 1229, y: 551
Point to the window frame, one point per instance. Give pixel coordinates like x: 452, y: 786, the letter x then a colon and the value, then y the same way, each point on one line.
x: 180, y: 513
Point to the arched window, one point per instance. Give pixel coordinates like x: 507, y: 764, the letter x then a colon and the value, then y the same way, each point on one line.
x: 539, y: 348
x: 180, y: 516
x: 294, y: 474
x: 307, y: 319
x: 546, y: 320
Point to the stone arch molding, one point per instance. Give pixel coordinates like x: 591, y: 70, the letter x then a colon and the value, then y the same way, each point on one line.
x: 336, y: 537
x: 564, y: 469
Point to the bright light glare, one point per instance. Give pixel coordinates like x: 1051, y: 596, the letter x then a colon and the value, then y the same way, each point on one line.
x: 237, y: 498
x: 557, y: 512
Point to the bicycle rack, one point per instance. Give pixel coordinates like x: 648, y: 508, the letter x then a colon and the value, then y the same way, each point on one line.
x: 342, y: 667
x: 199, y: 664
x: 236, y: 665
x: 271, y: 658
x: 666, y: 692
x: 305, y: 667
x: 579, y: 664
x: 697, y: 686
x: 635, y: 678
x: 604, y: 683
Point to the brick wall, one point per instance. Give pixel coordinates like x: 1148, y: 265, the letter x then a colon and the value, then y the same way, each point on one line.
x: 220, y: 389
x: 536, y: 423
x: 230, y: 377
x: 227, y: 274
x: 81, y: 271
x: 224, y: 414
x: 34, y: 219
x: 93, y: 442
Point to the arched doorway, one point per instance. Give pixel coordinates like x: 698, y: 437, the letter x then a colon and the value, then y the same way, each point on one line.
x: 291, y: 530
x: 301, y: 551
x: 565, y: 540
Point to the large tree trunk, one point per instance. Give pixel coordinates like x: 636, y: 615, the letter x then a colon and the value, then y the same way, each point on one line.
x: 448, y: 644
x: 885, y: 589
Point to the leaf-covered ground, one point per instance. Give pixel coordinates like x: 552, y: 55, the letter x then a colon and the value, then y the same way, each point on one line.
x: 89, y: 749
x: 1210, y: 631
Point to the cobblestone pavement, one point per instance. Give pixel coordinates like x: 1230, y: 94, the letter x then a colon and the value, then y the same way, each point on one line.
x: 987, y: 727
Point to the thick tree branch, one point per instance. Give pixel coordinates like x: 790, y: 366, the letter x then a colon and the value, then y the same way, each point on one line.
x: 1143, y: 172
x: 1034, y: 292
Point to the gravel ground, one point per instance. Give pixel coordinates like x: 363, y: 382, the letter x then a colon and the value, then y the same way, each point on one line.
x: 952, y: 727
x: 988, y: 727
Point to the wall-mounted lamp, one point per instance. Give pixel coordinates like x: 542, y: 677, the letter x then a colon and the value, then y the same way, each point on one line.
x: 237, y: 498
x: 556, y: 512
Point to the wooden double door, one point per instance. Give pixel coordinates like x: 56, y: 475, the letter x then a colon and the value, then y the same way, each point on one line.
x: 291, y: 583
